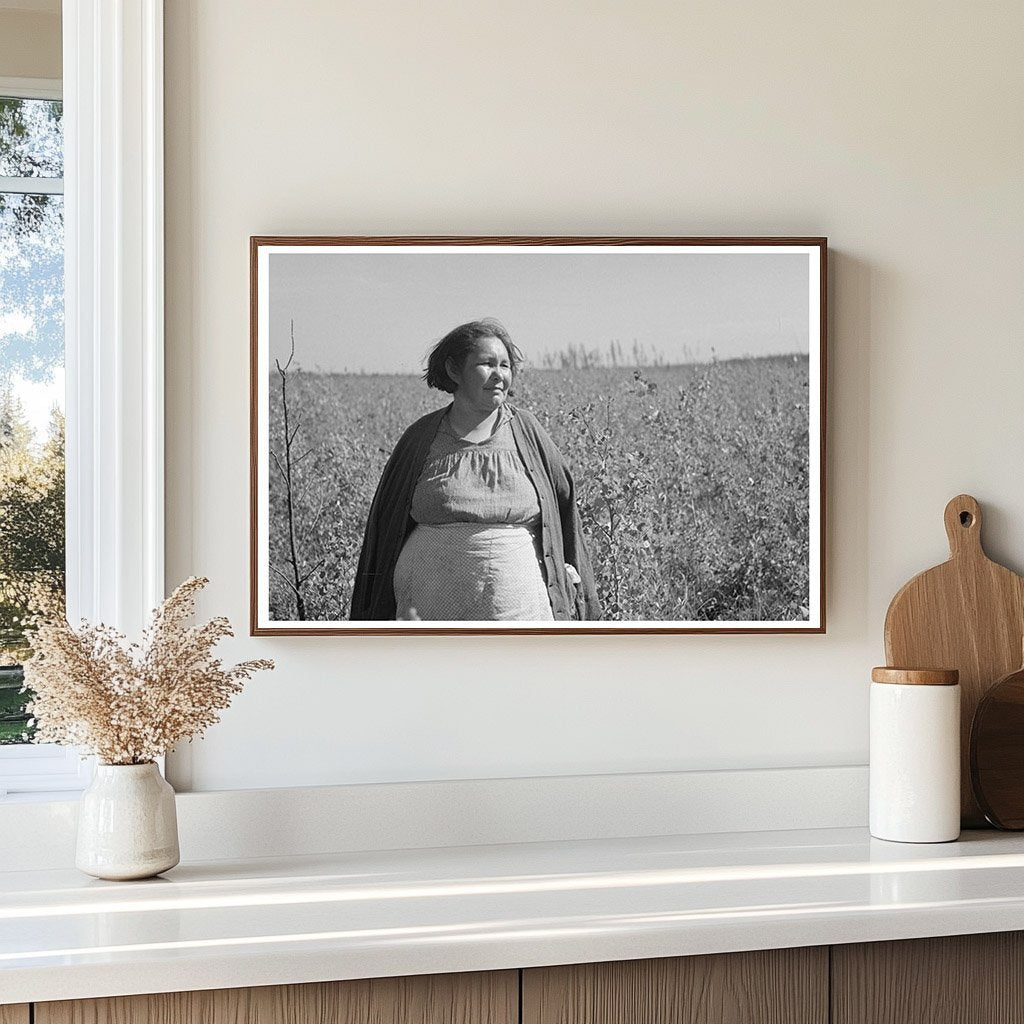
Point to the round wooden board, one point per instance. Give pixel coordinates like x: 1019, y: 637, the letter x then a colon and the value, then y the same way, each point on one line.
x: 997, y: 752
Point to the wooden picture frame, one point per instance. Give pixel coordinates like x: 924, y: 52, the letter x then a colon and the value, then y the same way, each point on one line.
x: 682, y: 380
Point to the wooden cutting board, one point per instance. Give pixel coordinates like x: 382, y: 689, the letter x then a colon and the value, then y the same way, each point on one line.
x: 967, y: 614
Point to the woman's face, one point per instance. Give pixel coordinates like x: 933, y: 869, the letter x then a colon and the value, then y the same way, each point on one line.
x: 485, y: 377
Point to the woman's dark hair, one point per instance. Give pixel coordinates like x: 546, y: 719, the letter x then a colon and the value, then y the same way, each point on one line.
x: 457, y: 344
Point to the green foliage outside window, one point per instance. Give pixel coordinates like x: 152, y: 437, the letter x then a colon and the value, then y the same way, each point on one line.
x: 32, y: 544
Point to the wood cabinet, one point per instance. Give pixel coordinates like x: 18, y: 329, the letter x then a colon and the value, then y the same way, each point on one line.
x: 961, y: 979
x: 774, y: 986
x: 967, y: 979
x: 480, y: 998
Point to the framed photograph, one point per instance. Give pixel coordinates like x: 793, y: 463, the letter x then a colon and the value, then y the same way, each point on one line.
x: 537, y: 435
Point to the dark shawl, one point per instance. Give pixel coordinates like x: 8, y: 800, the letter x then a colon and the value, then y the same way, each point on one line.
x: 389, y: 522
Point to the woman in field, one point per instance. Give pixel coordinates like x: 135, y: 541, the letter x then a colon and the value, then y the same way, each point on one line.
x: 475, y: 515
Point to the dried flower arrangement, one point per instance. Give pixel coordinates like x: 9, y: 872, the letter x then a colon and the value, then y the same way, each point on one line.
x: 129, y: 704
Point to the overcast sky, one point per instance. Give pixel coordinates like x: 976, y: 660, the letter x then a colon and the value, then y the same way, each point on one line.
x: 382, y: 312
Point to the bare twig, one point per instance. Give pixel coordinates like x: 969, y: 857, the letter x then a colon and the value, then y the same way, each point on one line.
x: 289, y: 583
x: 289, y: 438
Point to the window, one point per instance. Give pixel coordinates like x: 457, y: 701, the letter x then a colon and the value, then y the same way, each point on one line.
x: 31, y: 382
x: 32, y: 513
x: 113, y: 332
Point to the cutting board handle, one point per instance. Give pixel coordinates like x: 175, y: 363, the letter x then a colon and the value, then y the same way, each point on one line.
x: 963, y: 526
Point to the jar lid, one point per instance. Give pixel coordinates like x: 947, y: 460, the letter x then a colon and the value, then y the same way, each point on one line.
x: 916, y: 676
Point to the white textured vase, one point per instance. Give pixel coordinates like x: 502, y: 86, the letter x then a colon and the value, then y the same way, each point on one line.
x: 127, y: 825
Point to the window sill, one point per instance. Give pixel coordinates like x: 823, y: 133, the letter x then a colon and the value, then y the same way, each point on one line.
x: 48, y: 797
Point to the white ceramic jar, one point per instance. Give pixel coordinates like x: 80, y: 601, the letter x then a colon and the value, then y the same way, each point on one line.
x: 127, y: 824
x: 915, y: 755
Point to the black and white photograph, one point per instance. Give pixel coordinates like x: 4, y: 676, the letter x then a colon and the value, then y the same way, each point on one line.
x: 537, y: 435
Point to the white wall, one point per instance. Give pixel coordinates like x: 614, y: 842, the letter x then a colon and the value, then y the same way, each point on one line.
x: 30, y: 42
x: 894, y: 129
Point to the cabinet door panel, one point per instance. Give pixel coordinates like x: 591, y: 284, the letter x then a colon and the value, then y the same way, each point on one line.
x: 777, y: 986
x: 481, y: 998
x: 959, y: 979
x: 14, y: 1014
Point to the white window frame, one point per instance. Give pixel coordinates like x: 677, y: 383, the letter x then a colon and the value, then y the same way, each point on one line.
x: 114, y: 325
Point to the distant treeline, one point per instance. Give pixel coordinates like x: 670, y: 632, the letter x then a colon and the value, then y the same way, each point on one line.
x: 579, y: 357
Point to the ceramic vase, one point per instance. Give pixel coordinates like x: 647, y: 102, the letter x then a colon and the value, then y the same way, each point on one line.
x: 127, y: 825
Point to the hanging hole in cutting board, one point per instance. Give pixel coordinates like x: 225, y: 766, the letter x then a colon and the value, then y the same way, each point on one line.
x: 966, y: 519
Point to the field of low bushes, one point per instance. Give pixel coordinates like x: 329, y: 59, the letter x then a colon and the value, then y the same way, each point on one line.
x: 692, y: 482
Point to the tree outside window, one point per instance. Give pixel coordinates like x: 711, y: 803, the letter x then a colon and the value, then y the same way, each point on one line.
x: 32, y: 544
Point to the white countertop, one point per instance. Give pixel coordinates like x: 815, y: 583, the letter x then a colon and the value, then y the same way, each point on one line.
x: 223, y: 924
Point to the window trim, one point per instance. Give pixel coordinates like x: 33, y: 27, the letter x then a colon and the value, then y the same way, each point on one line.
x: 113, y: 170
x: 114, y: 322
x: 43, y: 768
x: 31, y: 186
x: 32, y: 88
